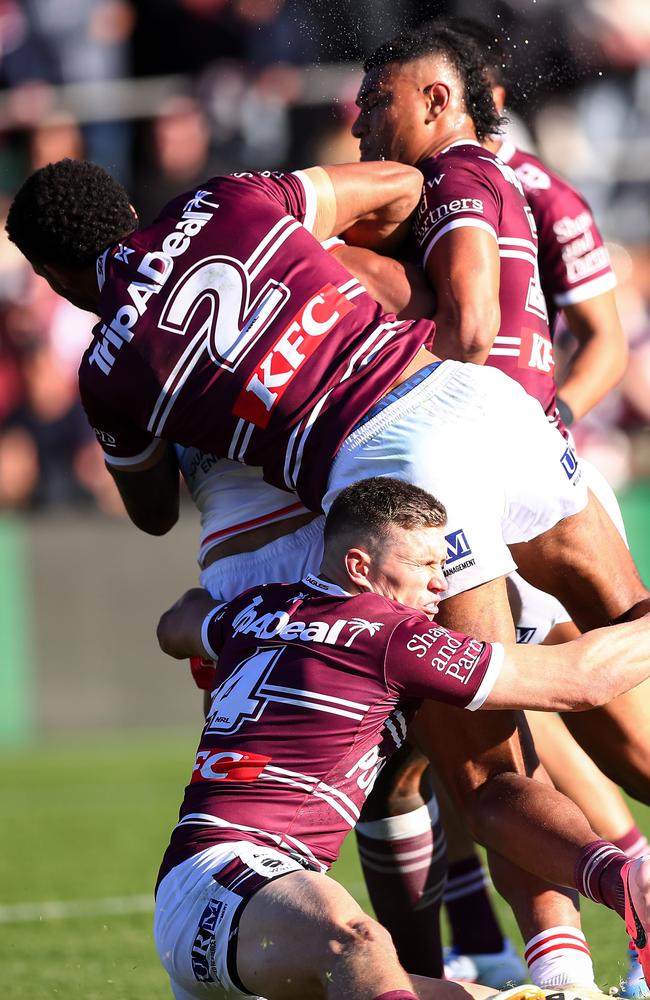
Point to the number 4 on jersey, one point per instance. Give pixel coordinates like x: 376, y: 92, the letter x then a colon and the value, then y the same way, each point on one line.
x: 237, y: 700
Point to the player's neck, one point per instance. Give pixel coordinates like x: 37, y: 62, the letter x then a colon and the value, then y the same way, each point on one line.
x: 492, y: 144
x: 465, y: 132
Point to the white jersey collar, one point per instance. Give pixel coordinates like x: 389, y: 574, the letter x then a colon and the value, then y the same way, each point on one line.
x: 458, y: 142
x: 325, y: 586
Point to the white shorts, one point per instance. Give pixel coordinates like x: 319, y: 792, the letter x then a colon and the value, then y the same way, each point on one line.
x: 535, y: 613
x: 283, y: 560
x: 478, y: 442
x: 197, y: 917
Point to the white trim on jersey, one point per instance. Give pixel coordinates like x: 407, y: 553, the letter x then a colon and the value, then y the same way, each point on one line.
x: 513, y: 241
x: 530, y: 258
x: 197, y: 345
x: 132, y: 459
x: 369, y: 346
x: 347, y: 284
x: 322, y: 586
x: 291, y: 844
x: 458, y: 224
x: 506, y: 347
x: 232, y: 450
x: 350, y: 289
x: 284, y: 235
x: 335, y: 798
x: 307, y: 699
x: 489, y: 680
x: 587, y: 290
x: 241, y: 453
x: 266, y: 240
x: 311, y: 200
x: 291, y: 475
x: 204, y: 630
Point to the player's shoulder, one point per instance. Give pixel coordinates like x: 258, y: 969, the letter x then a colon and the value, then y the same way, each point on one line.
x: 538, y: 179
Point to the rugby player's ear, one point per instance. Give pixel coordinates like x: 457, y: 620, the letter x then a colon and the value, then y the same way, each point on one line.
x: 438, y: 95
x: 357, y: 564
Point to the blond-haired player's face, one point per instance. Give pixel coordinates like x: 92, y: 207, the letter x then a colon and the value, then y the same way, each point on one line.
x: 409, y: 568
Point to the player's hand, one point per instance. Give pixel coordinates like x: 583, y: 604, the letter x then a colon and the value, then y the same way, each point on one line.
x: 179, y: 628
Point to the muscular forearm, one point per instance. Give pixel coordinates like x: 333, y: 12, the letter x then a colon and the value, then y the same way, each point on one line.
x: 370, y: 202
x: 600, y: 360
x: 578, y: 675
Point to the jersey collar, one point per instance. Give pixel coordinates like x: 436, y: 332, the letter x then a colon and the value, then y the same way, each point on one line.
x: 458, y: 142
x: 325, y: 586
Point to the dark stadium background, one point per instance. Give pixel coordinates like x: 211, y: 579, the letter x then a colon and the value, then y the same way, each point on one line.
x: 96, y: 727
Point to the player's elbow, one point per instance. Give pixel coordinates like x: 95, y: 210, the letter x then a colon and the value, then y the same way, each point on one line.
x: 154, y: 521
x: 471, y: 331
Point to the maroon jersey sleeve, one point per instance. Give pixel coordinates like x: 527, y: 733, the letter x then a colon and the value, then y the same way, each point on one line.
x: 123, y: 442
x: 454, y: 195
x: 425, y: 660
x: 294, y: 193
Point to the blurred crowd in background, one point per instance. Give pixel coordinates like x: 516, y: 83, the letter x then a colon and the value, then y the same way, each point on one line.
x: 164, y: 93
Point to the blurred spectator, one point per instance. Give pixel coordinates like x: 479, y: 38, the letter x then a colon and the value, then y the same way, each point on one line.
x: 178, y: 155
x: 48, y: 453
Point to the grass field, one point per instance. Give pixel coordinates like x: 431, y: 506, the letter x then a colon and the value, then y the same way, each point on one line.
x: 83, y: 829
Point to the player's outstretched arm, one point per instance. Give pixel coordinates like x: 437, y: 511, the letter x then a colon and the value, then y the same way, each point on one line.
x: 370, y: 202
x: 150, y: 491
x: 574, y: 676
x: 601, y: 357
x: 179, y: 628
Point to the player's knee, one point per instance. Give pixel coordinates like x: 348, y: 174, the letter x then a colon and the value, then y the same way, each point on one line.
x: 359, y: 940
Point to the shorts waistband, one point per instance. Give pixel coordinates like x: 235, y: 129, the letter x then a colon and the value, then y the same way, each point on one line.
x: 401, y: 390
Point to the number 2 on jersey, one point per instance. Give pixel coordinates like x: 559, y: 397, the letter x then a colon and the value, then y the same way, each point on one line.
x: 221, y: 287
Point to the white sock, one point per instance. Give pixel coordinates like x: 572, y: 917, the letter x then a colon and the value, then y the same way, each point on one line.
x: 559, y: 956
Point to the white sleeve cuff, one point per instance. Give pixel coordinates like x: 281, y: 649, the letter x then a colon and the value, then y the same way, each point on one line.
x: 204, y: 632
x: 489, y: 680
x: 310, y: 199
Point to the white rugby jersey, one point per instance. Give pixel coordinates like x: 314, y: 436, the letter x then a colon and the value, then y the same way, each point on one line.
x: 231, y: 497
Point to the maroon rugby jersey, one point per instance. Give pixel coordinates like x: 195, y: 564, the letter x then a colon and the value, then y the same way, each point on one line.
x: 573, y: 261
x: 466, y: 185
x: 314, y: 691
x: 225, y: 325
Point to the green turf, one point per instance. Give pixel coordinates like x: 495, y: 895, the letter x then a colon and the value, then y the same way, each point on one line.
x: 88, y: 820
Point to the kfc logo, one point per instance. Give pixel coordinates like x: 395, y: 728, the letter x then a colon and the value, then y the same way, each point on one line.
x: 298, y: 341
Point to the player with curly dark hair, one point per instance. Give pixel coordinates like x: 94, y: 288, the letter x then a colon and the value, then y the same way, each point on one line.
x: 67, y: 213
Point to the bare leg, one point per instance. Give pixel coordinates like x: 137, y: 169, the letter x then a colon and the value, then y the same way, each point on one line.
x: 575, y: 774
x: 467, y: 752
x: 597, y: 586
